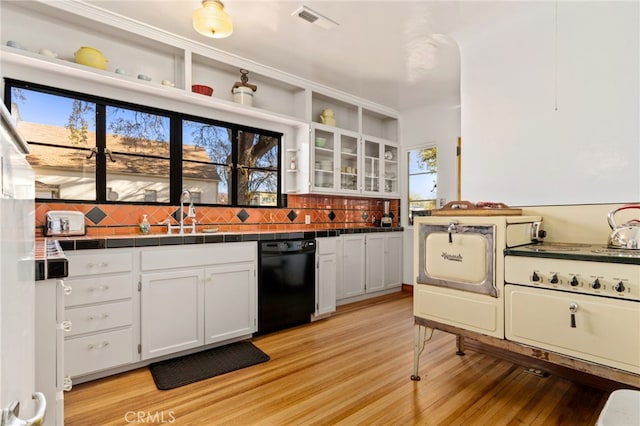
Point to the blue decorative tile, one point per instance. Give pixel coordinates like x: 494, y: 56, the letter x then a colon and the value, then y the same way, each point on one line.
x: 365, y: 215
x: 243, y: 215
x: 292, y: 215
x: 96, y: 215
x: 332, y: 215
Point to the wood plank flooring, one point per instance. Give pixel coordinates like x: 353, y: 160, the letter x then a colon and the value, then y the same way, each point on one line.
x: 350, y: 369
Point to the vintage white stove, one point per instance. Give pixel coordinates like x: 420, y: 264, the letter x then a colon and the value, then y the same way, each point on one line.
x: 489, y: 279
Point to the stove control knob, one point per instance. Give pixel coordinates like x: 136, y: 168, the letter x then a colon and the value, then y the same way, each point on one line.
x: 554, y: 279
x: 619, y: 287
x: 535, y: 277
x: 574, y: 282
x: 595, y: 284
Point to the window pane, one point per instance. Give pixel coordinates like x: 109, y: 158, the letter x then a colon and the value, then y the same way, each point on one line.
x: 204, y: 183
x: 257, y: 169
x: 131, y: 177
x: 423, y: 180
x: 261, y: 190
x: 422, y: 187
x: 61, y: 134
x: 206, y: 152
x: 137, y: 146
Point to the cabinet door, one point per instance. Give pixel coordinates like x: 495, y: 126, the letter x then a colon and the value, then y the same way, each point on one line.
x: 326, y: 284
x: 323, y: 159
x: 171, y: 312
x: 374, y: 262
x: 352, y: 265
x: 372, y: 166
x: 348, y: 163
x: 393, y: 259
x: 390, y: 169
x: 230, y: 308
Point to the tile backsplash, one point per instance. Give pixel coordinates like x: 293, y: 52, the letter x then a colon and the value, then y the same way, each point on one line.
x: 325, y: 212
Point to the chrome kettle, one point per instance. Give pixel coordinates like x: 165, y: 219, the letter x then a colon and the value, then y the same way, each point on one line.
x: 626, y: 236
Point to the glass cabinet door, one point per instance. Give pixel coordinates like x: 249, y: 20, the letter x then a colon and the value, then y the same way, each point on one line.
x: 348, y: 158
x: 371, y: 160
x: 323, y: 158
x: 390, y: 169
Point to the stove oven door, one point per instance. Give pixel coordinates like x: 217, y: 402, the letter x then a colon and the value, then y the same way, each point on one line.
x: 458, y: 256
x: 603, y: 330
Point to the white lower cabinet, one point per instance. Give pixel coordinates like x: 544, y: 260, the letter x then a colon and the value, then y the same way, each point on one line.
x: 392, y: 259
x: 369, y: 263
x: 209, y: 298
x: 172, y: 311
x: 353, y: 266
x: 230, y: 304
x: 102, y: 310
x: 326, y: 275
x: 375, y: 259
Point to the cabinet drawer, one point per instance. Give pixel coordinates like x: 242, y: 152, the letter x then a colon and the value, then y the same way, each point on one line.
x: 98, y: 289
x: 99, y: 262
x: 100, y: 351
x: 99, y: 317
x: 211, y: 254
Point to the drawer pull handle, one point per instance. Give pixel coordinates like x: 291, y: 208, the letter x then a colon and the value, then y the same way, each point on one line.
x: 102, y: 287
x: 66, y: 326
x: 98, y: 346
x: 104, y: 264
x: 101, y: 316
x: 67, y: 384
x: 573, y: 307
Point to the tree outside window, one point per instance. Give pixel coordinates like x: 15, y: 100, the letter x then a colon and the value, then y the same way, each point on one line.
x: 423, y: 181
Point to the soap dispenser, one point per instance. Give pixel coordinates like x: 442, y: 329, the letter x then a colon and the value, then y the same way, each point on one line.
x: 145, y: 226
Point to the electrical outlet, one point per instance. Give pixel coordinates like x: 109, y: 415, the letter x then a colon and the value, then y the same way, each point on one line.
x: 307, y: 219
x: 443, y: 201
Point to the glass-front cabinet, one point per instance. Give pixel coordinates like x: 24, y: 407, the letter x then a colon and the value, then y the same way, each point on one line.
x: 335, y: 160
x: 343, y: 162
x: 380, y: 167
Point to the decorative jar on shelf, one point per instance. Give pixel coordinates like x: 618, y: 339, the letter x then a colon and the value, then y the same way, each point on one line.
x: 328, y: 117
x: 91, y: 57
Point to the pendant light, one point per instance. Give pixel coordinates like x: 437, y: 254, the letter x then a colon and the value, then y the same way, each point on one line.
x: 211, y: 20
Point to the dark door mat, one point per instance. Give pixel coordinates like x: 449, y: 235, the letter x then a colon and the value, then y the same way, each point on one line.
x: 187, y: 369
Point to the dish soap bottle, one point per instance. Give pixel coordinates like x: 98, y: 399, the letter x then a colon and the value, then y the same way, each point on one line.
x: 145, y: 226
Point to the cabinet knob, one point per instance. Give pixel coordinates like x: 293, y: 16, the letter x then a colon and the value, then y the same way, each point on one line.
x: 67, y: 384
x: 66, y: 289
x: 66, y: 325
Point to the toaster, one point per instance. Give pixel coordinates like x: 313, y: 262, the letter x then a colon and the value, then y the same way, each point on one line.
x: 63, y: 222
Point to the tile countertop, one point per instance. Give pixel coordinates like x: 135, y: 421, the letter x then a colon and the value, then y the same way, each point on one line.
x: 51, y: 262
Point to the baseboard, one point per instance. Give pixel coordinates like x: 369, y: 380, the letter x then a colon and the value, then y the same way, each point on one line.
x: 407, y: 288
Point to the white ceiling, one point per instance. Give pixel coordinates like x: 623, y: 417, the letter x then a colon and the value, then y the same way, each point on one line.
x: 396, y: 53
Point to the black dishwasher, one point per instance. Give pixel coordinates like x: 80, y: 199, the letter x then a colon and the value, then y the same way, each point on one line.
x: 286, y: 284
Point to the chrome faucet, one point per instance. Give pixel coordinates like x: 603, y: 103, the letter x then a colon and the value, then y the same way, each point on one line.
x: 191, y: 213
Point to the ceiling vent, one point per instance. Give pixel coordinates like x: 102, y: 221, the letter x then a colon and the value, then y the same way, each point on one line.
x: 309, y: 15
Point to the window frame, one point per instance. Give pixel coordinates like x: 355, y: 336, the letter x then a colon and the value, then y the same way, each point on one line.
x: 175, y: 146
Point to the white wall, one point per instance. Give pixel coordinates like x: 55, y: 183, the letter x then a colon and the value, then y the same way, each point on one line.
x: 517, y: 147
x: 437, y: 124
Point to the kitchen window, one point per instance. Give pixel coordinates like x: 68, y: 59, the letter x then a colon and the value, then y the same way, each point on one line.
x: 423, y: 181
x: 85, y: 148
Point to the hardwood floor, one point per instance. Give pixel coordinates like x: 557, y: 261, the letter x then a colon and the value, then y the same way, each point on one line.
x: 350, y: 369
